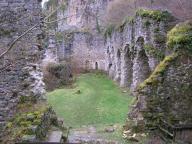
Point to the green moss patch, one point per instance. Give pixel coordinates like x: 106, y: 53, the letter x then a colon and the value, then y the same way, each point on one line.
x: 147, y: 23
x: 23, y: 122
x: 59, y: 36
x: 180, y: 37
x: 156, y: 15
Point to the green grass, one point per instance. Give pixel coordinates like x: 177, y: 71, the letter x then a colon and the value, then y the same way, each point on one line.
x: 101, y: 102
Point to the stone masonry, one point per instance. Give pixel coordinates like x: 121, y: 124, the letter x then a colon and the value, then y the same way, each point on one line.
x: 20, y: 75
x: 164, y: 99
x: 79, y: 36
x: 134, y: 50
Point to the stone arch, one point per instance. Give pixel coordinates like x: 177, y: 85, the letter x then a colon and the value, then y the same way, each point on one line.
x: 96, y: 66
x: 118, y: 66
x: 111, y: 63
x: 126, y: 67
x: 141, y: 69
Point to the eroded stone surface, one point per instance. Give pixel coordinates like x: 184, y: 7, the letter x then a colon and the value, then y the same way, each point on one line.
x: 20, y: 74
x: 134, y: 52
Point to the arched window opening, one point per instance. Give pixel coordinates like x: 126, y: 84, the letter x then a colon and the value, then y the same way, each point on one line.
x: 96, y: 66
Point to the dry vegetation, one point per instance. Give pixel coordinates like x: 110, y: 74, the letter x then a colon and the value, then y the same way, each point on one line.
x: 118, y: 9
x: 57, y: 75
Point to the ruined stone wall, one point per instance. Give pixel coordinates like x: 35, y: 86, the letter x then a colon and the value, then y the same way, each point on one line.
x: 134, y: 49
x: 89, y: 51
x: 20, y: 75
x: 86, y: 51
x: 129, y: 53
x: 79, y: 37
x: 164, y: 99
x: 51, y: 53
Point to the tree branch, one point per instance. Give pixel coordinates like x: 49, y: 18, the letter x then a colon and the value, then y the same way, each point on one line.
x: 30, y: 29
x: 26, y: 32
x: 13, y: 43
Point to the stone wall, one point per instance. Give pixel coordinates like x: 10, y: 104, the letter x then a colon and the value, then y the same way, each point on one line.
x: 20, y: 75
x: 78, y: 35
x: 129, y: 53
x: 164, y: 99
x: 51, y: 54
x: 135, y: 48
x: 85, y: 50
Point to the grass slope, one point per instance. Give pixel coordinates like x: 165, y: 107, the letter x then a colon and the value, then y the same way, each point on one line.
x: 100, y: 102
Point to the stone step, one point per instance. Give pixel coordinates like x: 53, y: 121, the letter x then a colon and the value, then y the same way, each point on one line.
x: 55, y: 137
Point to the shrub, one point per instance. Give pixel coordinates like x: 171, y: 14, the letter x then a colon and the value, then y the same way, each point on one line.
x: 57, y: 75
x: 153, y: 14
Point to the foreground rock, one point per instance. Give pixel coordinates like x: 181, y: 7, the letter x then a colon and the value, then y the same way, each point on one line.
x: 34, y: 126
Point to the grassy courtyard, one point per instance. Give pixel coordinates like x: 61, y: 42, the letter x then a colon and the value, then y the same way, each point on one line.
x: 94, y: 100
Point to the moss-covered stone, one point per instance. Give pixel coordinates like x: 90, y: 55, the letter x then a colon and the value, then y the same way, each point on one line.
x: 146, y: 23
x: 25, y: 99
x: 180, y: 37
x: 23, y: 123
x: 129, y: 20
x: 159, y: 71
x: 148, y: 15
x: 59, y: 36
x: 156, y: 30
x: 151, y: 50
x: 109, y: 31
x: 159, y: 38
x: 156, y: 15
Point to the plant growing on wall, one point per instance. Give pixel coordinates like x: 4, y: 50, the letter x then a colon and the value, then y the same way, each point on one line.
x: 109, y: 30
x: 180, y: 37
